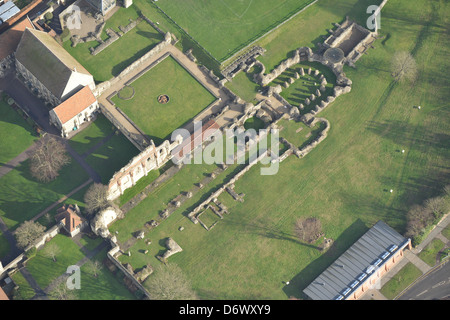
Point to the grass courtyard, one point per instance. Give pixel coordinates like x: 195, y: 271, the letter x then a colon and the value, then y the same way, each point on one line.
x: 111, y: 61
x: 187, y: 98
x: 223, y: 27
x: 343, y: 181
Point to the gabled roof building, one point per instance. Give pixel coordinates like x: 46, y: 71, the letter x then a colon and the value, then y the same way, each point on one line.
x: 69, y: 219
x: 360, y: 267
x: 73, y: 112
x: 49, y: 70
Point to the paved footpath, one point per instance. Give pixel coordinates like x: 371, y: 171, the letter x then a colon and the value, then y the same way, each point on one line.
x: 10, y: 165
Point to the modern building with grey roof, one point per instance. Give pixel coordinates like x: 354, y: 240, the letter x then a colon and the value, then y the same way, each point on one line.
x: 361, y: 266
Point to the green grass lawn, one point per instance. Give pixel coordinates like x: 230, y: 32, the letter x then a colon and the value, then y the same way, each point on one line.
x: 92, y: 135
x: 303, y: 87
x: 44, y: 270
x: 111, y: 61
x: 298, y: 133
x: 22, y: 197
x: 187, y: 97
x: 446, y: 232
x: 112, y: 156
x: 104, y: 286
x: 429, y: 253
x: 25, y: 291
x: 400, y: 281
x: 343, y: 181
x: 223, y: 27
x: 17, y: 135
x: 4, y: 246
x: 242, y: 85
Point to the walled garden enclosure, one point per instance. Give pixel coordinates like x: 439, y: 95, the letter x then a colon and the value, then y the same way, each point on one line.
x: 342, y: 182
x: 187, y: 98
x: 111, y: 61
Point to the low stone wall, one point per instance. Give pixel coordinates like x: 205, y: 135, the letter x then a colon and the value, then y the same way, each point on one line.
x: 111, y: 256
x: 100, y: 88
x: 48, y: 235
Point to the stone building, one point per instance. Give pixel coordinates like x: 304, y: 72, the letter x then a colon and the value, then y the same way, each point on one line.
x: 49, y: 70
x: 151, y: 158
x: 9, y: 41
x: 360, y: 267
x: 73, y: 112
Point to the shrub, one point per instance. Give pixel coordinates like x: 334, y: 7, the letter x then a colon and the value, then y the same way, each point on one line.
x: 65, y: 35
x: 48, y: 16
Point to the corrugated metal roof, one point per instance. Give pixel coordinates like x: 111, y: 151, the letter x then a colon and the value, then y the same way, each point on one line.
x: 353, y: 263
x: 8, y: 10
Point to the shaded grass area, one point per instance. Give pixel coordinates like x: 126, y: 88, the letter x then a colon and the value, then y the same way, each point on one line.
x: 83, y: 141
x: 44, y: 270
x: 48, y: 220
x: 104, y: 286
x: 25, y: 291
x: 306, y: 85
x: 298, y: 133
x: 111, y: 61
x: 187, y: 98
x: 22, y: 197
x: 17, y: 134
x: 400, y: 281
x: 112, y: 156
x: 4, y: 246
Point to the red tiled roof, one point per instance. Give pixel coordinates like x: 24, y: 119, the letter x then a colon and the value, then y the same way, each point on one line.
x: 11, y: 37
x: 196, y: 139
x: 68, y: 217
x: 3, y: 295
x: 75, y: 104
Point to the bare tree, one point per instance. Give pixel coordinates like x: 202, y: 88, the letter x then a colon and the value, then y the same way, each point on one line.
x: 309, y: 229
x: 169, y: 283
x: 51, y: 250
x: 437, y: 205
x: 48, y: 158
x: 96, y: 198
x: 418, y: 217
x: 28, y: 232
x: 60, y: 291
x: 403, y: 66
x: 94, y: 266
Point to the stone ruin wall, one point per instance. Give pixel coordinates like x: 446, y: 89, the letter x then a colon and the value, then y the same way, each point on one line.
x: 158, y: 48
x: 149, y: 159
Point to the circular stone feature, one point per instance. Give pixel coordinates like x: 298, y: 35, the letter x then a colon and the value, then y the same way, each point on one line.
x: 164, y: 98
x: 334, y: 55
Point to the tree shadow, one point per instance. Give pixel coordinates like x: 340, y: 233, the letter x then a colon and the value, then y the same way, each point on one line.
x: 299, y: 282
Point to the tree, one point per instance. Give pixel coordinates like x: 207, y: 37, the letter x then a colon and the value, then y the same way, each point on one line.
x: 403, y: 66
x: 51, y: 250
x: 169, y: 283
x: 48, y: 158
x: 28, y: 233
x: 94, y: 266
x: 418, y: 217
x: 96, y: 198
x: 436, y: 205
x: 308, y: 230
x: 60, y: 291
